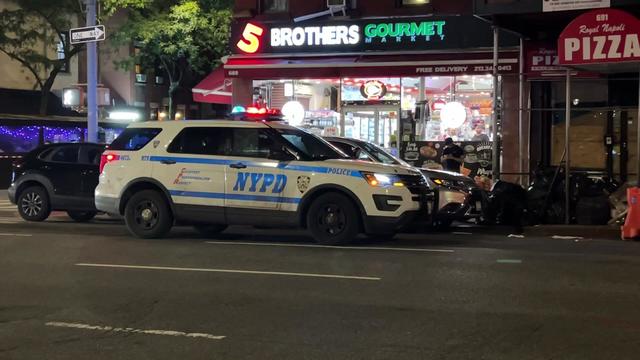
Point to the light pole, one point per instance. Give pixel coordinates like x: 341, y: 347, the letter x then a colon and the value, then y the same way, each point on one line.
x: 92, y: 76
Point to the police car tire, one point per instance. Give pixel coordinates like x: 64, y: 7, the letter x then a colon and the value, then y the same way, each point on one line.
x: 210, y: 230
x: 333, y: 210
x: 161, y: 217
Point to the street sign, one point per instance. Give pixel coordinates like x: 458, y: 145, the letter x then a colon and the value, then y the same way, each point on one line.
x: 87, y: 34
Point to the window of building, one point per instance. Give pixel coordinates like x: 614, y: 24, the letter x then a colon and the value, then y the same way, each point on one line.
x: 275, y: 5
x: 61, y: 54
x: 141, y: 74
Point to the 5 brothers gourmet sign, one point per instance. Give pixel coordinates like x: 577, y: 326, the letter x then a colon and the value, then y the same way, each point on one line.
x: 364, y: 35
x: 600, y: 36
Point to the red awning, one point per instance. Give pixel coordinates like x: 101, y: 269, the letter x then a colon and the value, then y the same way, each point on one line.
x: 215, y: 89
x: 368, y: 65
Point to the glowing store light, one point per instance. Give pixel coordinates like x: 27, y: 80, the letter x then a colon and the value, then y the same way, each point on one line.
x: 124, y: 115
x: 293, y: 112
x: 453, y: 115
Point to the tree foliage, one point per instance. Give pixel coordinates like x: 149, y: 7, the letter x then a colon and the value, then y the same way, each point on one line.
x: 30, y: 26
x: 173, y: 36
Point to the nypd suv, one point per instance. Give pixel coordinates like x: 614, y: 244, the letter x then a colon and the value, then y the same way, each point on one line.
x: 211, y: 174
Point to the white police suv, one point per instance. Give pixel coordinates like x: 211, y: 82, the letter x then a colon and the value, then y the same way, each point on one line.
x: 211, y: 174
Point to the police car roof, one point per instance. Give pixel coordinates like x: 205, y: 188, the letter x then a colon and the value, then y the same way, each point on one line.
x: 207, y: 123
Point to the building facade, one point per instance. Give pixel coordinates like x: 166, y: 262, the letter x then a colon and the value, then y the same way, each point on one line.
x: 402, y: 74
x: 603, y: 99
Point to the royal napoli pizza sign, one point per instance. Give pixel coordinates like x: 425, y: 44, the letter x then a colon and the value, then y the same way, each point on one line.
x: 600, y: 36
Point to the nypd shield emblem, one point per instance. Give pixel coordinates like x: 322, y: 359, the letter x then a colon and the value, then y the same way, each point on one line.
x: 303, y: 183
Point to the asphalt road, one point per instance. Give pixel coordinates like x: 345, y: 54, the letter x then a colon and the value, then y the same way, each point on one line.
x: 91, y: 291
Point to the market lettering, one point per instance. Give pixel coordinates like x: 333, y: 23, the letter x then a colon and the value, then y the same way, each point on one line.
x: 315, y: 36
x: 425, y: 28
x: 259, y: 182
x: 624, y: 46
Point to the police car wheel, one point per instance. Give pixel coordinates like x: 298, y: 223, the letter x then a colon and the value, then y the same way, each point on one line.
x: 148, y: 215
x: 333, y: 219
x: 210, y: 230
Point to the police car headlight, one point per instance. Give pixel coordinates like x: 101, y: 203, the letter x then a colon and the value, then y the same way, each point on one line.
x: 382, y: 180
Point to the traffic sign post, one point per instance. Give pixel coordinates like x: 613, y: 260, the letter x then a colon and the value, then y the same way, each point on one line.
x: 90, y: 34
x: 87, y: 34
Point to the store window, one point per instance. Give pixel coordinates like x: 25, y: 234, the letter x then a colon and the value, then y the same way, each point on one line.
x: 18, y: 139
x: 271, y: 6
x: 60, y: 134
x: 459, y: 107
x: 308, y: 103
x: 603, y: 130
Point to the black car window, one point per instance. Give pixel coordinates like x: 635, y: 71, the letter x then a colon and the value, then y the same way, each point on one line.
x: 348, y: 149
x: 91, y: 155
x: 65, y: 154
x: 44, y: 154
x: 252, y: 143
x: 312, y: 146
x: 133, y: 139
x: 201, y: 141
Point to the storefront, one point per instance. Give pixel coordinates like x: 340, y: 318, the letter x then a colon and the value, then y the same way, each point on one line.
x: 408, y: 80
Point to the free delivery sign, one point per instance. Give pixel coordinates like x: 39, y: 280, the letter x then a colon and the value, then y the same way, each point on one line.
x: 600, y: 37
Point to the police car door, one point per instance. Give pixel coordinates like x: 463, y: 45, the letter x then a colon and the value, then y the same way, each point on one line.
x: 193, y: 170
x: 254, y: 180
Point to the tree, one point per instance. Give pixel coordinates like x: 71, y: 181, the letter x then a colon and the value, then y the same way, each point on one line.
x: 30, y: 26
x: 173, y: 36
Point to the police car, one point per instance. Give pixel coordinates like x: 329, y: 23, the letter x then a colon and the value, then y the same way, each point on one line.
x: 211, y: 174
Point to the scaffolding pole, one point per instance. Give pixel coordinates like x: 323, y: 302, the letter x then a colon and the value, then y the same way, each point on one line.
x: 495, y: 158
x: 567, y: 149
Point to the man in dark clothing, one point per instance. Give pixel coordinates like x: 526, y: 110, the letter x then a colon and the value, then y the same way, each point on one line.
x: 452, y: 156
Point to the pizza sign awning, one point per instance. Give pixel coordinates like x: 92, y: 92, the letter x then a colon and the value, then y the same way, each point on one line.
x: 603, y: 36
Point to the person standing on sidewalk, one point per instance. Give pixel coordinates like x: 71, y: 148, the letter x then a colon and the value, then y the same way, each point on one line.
x: 452, y: 156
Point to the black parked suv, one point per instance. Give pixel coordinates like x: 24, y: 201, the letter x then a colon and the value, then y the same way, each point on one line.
x: 57, y: 177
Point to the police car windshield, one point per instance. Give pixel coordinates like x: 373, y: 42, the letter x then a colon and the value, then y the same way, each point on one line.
x: 310, y: 146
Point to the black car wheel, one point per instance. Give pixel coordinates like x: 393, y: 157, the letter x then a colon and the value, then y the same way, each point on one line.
x: 147, y: 215
x: 210, y: 230
x: 333, y: 219
x: 81, y: 216
x: 33, y: 204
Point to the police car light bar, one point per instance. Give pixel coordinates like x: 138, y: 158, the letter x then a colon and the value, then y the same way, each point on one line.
x: 256, y: 113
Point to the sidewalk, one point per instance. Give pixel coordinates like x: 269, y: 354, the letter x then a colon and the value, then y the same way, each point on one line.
x: 604, y: 232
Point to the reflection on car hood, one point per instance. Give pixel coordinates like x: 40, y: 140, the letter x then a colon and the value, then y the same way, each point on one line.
x: 446, y: 175
x: 360, y: 165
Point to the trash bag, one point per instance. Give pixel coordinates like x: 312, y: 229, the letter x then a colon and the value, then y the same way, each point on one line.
x: 507, y: 204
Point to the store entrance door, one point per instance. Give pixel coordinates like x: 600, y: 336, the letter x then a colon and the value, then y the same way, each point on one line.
x: 376, y: 124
